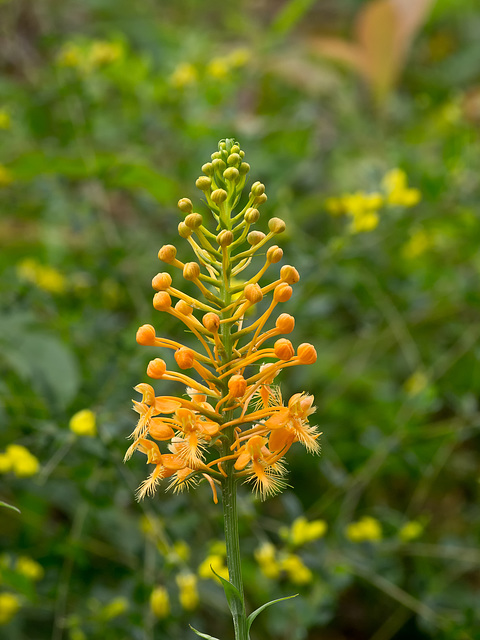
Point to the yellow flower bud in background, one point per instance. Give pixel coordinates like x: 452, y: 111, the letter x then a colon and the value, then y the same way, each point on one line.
x: 367, y: 529
x: 410, y: 531
x: 9, y: 605
x: 217, y: 563
x: 115, y: 608
x: 188, y: 593
x: 302, y: 531
x: 265, y: 555
x: 83, y: 423
x: 296, y: 570
x: 23, y: 463
x: 160, y: 603
x: 29, y: 568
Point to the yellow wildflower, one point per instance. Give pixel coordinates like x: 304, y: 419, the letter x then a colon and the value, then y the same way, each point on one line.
x: 160, y: 603
x: 184, y: 75
x: 102, y: 52
x: 296, y: 570
x: 416, y: 383
x: 239, y: 57
x: 29, y: 568
x: 334, y: 206
x: 367, y: 529
x: 365, y: 221
x: 5, y: 120
x: 420, y: 242
x: 188, y: 593
x: 24, y: 463
x: 410, y: 531
x: 9, y: 605
x: 218, y: 68
x: 302, y: 531
x: 6, y: 176
x: 215, y: 562
x: 83, y: 423
x: 43, y: 276
x: 182, y: 550
x: 265, y: 555
x: 70, y: 55
x: 117, y: 607
x: 398, y: 193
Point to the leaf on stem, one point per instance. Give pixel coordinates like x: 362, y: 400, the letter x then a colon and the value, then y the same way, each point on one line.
x: 255, y: 613
x: 9, y: 506
x: 202, y: 635
x: 233, y: 595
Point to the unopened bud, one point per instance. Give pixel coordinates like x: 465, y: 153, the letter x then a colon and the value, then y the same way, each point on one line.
x: 244, y: 168
x: 219, y: 195
x: 237, y: 386
x: 185, y: 358
x: 282, y: 293
x: 156, y: 368
x: 253, y: 293
x: 184, y: 231
x: 276, y: 225
x: 257, y: 189
x: 167, y: 253
x: 162, y: 301
x: 183, y: 308
x: 146, y: 335
x: 193, y: 220
x: 162, y: 281
x: 235, y: 149
x: 233, y: 159
x: 284, y: 349
x: 285, y: 323
x: 254, y: 237
x: 191, y: 271
x: 185, y: 205
x: 261, y: 199
x: 231, y: 174
x: 289, y: 274
x: 216, y: 155
x: 207, y: 169
x: 306, y: 353
x: 225, y: 238
x: 211, y: 322
x: 219, y: 165
x: 203, y: 183
x: 241, y: 154
x: 274, y: 254
x: 252, y: 215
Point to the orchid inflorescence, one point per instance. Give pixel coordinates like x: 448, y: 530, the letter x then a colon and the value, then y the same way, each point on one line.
x: 233, y: 419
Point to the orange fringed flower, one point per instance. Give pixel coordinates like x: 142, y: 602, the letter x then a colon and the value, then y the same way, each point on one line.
x: 232, y: 418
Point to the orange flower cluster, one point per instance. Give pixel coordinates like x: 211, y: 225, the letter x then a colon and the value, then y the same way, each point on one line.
x: 233, y: 419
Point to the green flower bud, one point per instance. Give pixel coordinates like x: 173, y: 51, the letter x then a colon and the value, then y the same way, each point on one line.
x: 219, y: 165
x: 252, y: 215
x: 207, y: 169
x: 219, y: 195
x: 233, y: 158
x: 261, y: 199
x: 257, y: 189
x: 185, y: 205
x: 222, y: 145
x: 191, y: 271
x: 193, y: 220
x: 231, y: 174
x: 254, y: 237
x: 235, y: 149
x: 184, y: 231
x: 225, y: 238
x: 276, y: 225
x: 244, y: 168
x: 241, y: 154
x: 216, y: 155
x: 203, y: 183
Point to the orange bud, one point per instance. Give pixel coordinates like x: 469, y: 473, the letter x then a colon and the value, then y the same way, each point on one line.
x: 289, y: 274
x: 162, y: 281
x: 191, y: 271
x: 283, y: 349
x: 253, y: 293
x: 167, y: 253
x: 183, y: 308
x: 276, y: 225
x: 185, y: 358
x: 146, y: 335
x: 285, y: 323
x: 162, y: 301
x: 211, y: 322
x: 282, y: 292
x: 306, y: 353
x: 274, y: 254
x: 237, y: 386
x: 254, y: 237
x: 156, y: 368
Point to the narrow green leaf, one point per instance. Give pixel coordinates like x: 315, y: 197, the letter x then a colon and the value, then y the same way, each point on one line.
x: 234, y: 598
x: 202, y: 635
x: 9, y: 506
x: 255, y: 613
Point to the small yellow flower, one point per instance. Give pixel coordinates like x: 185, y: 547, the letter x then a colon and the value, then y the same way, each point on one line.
x: 303, y: 531
x: 367, y: 529
x: 43, y: 276
x: 29, y: 568
x: 160, y: 603
x: 115, y: 608
x: 416, y: 383
x: 215, y: 562
x: 83, y: 423
x: 102, y: 53
x: 183, y: 76
x: 188, y: 593
x: 365, y: 221
x: 24, y: 464
x: 6, y: 176
x: 182, y: 550
x: 296, y: 570
x: 334, y: 206
x: 5, y: 120
x: 410, y: 531
x: 265, y: 555
x: 398, y: 193
x: 9, y: 605
x: 218, y: 68
x: 70, y: 55
x: 420, y: 242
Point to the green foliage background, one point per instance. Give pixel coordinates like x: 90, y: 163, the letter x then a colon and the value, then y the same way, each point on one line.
x: 98, y: 156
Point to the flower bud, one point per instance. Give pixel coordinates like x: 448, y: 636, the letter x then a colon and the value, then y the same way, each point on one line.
x: 237, y: 386
x: 203, y: 183
x: 261, y: 199
x: 162, y: 281
x: 193, y: 220
x: 184, y: 357
x: 216, y: 155
x: 257, y: 189
x: 240, y: 153
x: 284, y: 349
x: 244, y: 168
x: 282, y: 292
x: 231, y: 174
x: 156, y: 368
x: 253, y: 293
x: 276, y: 225
x: 306, y: 353
x: 254, y: 237
x: 162, y: 301
x: 285, y: 323
x: 207, y: 169
x: 233, y: 159
x: 219, y: 165
x: 235, y: 149
x: 185, y: 205
x: 191, y: 271
x: 289, y: 274
x: 252, y: 215
x: 222, y: 145
x: 225, y: 238
x: 274, y: 254
x: 183, y: 308
x: 184, y: 231
x: 219, y: 195
x: 211, y: 322
x: 146, y: 335
x: 167, y: 253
